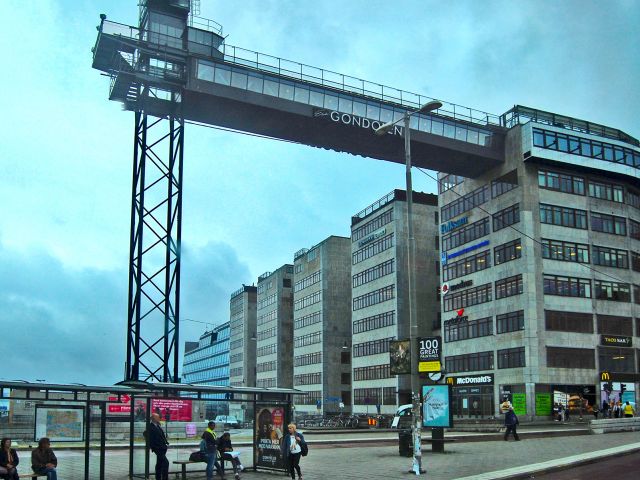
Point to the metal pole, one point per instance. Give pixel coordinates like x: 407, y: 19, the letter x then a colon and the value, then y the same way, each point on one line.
x: 416, y: 426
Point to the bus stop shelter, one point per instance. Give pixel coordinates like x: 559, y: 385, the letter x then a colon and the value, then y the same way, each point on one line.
x: 94, y: 419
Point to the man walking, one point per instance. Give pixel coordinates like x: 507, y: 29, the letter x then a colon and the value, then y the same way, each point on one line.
x: 510, y: 421
x: 158, y: 445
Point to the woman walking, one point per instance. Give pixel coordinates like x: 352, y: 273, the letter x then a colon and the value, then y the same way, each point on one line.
x: 8, y: 461
x: 292, y: 446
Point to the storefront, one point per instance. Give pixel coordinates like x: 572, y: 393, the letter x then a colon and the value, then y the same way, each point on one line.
x: 618, y: 388
x: 573, y: 398
x: 472, y: 396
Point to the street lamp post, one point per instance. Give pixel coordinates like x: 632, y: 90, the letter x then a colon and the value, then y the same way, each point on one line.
x: 416, y: 426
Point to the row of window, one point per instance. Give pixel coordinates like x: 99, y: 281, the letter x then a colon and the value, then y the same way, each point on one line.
x: 373, y: 372
x: 482, y: 327
x: 311, y: 398
x: 373, y: 273
x: 236, y: 372
x: 581, y: 287
x: 585, y: 147
x: 307, y: 359
x: 504, y: 184
x: 374, y: 396
x: 312, y: 318
x: 506, y: 252
x: 577, y: 218
x: 507, y: 358
x: 374, y: 322
x: 267, y: 317
x: 373, y: 248
x: 373, y: 347
x: 583, y: 323
x: 307, y: 379
x: 269, y: 333
x: 609, y: 358
x: 235, y: 344
x: 372, y: 225
x: 307, y: 301
x: 574, y: 184
x: 505, y: 217
x: 373, y: 298
x: 466, y: 234
x: 236, y: 357
x: 266, y: 382
x: 266, y: 366
x: 266, y: 350
x: 309, y: 339
x: 265, y: 302
x: 465, y: 203
x: 579, y: 252
x: 308, y: 281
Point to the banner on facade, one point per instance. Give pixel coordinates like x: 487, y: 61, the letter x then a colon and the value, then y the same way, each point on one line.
x: 270, y: 430
x: 400, y: 357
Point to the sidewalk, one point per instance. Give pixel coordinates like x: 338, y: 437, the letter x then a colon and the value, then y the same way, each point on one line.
x: 375, y: 461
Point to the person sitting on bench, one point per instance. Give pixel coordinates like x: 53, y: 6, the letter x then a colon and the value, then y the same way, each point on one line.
x: 8, y: 461
x: 43, y: 460
x: 225, y: 447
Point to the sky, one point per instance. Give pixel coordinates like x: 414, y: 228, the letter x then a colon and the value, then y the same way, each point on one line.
x: 249, y: 203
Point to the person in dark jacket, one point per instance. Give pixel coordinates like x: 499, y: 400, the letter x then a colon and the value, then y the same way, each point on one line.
x: 225, y: 447
x: 292, y: 445
x: 211, y: 447
x: 43, y: 460
x: 510, y: 421
x: 8, y: 460
x: 158, y: 444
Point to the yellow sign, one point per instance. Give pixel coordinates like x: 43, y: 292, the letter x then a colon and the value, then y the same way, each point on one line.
x: 605, y: 376
x: 434, y: 366
x: 449, y: 380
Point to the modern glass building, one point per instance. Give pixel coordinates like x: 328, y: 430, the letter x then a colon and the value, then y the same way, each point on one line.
x: 541, y: 265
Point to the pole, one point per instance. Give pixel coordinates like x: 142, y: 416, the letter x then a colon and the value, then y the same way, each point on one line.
x: 416, y: 426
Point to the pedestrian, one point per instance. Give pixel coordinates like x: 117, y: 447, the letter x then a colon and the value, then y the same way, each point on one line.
x: 211, y: 447
x: 560, y: 412
x: 605, y: 409
x: 510, y: 422
x: 225, y: 448
x: 292, y: 447
x: 616, y: 409
x: 43, y: 460
x: 628, y: 410
x: 158, y: 444
x: 8, y: 461
x: 595, y: 411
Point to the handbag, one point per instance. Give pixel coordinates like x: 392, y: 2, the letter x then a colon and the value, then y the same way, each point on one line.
x: 198, y: 457
x: 304, y: 449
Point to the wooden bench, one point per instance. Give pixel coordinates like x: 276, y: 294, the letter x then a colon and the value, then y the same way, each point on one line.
x: 183, y: 465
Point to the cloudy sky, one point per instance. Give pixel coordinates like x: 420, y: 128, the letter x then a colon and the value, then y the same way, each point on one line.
x: 249, y: 203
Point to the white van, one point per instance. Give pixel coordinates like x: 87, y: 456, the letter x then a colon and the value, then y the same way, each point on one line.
x: 227, y: 421
x: 403, y: 417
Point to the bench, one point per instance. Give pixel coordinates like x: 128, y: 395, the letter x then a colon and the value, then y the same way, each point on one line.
x: 183, y: 466
x: 611, y: 425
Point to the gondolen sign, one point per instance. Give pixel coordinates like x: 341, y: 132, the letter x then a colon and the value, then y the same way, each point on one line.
x: 429, y: 350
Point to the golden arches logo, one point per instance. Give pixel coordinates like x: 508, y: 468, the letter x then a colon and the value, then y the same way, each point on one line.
x: 605, y: 376
x: 450, y: 381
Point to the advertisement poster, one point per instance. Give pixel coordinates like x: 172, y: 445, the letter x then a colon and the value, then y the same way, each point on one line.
x: 400, y: 357
x: 436, y: 410
x: 429, y: 354
x: 171, y: 410
x: 519, y: 401
x: 270, y: 429
x: 543, y: 404
x: 4, y: 408
x: 60, y: 424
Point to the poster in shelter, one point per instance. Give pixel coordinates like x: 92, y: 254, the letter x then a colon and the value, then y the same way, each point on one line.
x: 270, y: 430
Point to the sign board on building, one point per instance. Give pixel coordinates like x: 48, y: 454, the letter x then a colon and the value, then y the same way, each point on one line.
x: 615, y: 341
x: 519, y: 402
x: 467, y: 249
x: 543, y: 404
x: 453, y: 224
x: 483, y: 379
x: 429, y: 351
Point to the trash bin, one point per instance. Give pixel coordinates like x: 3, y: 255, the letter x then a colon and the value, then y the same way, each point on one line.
x: 405, y: 443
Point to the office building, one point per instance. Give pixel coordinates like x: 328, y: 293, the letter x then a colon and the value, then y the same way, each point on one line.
x: 322, y: 327
x: 274, y: 346
x: 541, y: 269
x: 380, y: 302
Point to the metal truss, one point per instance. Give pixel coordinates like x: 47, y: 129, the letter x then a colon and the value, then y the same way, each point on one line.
x: 154, y: 267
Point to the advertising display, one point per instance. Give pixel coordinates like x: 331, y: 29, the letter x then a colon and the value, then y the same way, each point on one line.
x: 400, y: 357
x: 519, y: 403
x: 59, y: 424
x: 4, y: 408
x: 543, y: 404
x: 429, y: 354
x: 270, y: 430
x: 169, y: 409
x: 618, y: 392
x: 436, y: 409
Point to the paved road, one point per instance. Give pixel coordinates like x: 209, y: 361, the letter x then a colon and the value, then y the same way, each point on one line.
x: 377, y: 461
x: 624, y: 467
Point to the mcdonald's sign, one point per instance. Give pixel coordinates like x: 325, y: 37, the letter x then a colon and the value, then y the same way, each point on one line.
x: 605, y: 376
x: 449, y: 380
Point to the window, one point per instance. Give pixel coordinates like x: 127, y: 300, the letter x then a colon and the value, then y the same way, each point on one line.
x: 265, y: 302
x: 267, y: 317
x: 372, y: 225
x: 373, y: 298
x: 616, y: 359
x: 634, y: 229
x: 568, y: 321
x: 373, y: 347
x: 266, y: 350
x: 374, y: 322
x: 373, y: 248
x: 467, y: 234
x: 373, y: 273
x: 465, y: 203
x: 504, y: 184
x: 449, y: 181
x: 307, y: 379
x: 474, y: 263
x: 565, y: 251
x: 635, y: 261
x: 266, y: 367
x: 389, y: 396
x: 617, y: 292
x: 308, y: 281
x: 266, y: 382
x: 307, y: 359
x: 510, y: 322
x: 507, y: 251
x: 345, y: 378
x: 582, y: 358
x: 509, y: 286
x: 311, y: 398
x: 615, y: 325
x: 312, y: 318
x: 304, y: 302
x: 563, y: 216
x: 601, y: 222
x: 511, y: 358
x: 468, y: 297
x: 309, y: 339
x: 374, y: 372
x: 561, y: 182
x: 268, y: 333
x: 470, y: 362
x: 606, y: 191
x: 236, y: 344
x: 610, y: 257
x: 567, y: 286
x: 636, y: 294
x: 506, y: 217
x: 633, y: 198
x: 367, y: 396
x: 463, y: 330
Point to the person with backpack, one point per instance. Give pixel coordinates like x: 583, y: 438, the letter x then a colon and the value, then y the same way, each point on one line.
x: 510, y: 422
x: 211, y: 447
x: 293, y: 446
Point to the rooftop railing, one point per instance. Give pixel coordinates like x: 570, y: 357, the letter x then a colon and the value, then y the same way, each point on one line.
x: 381, y: 202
